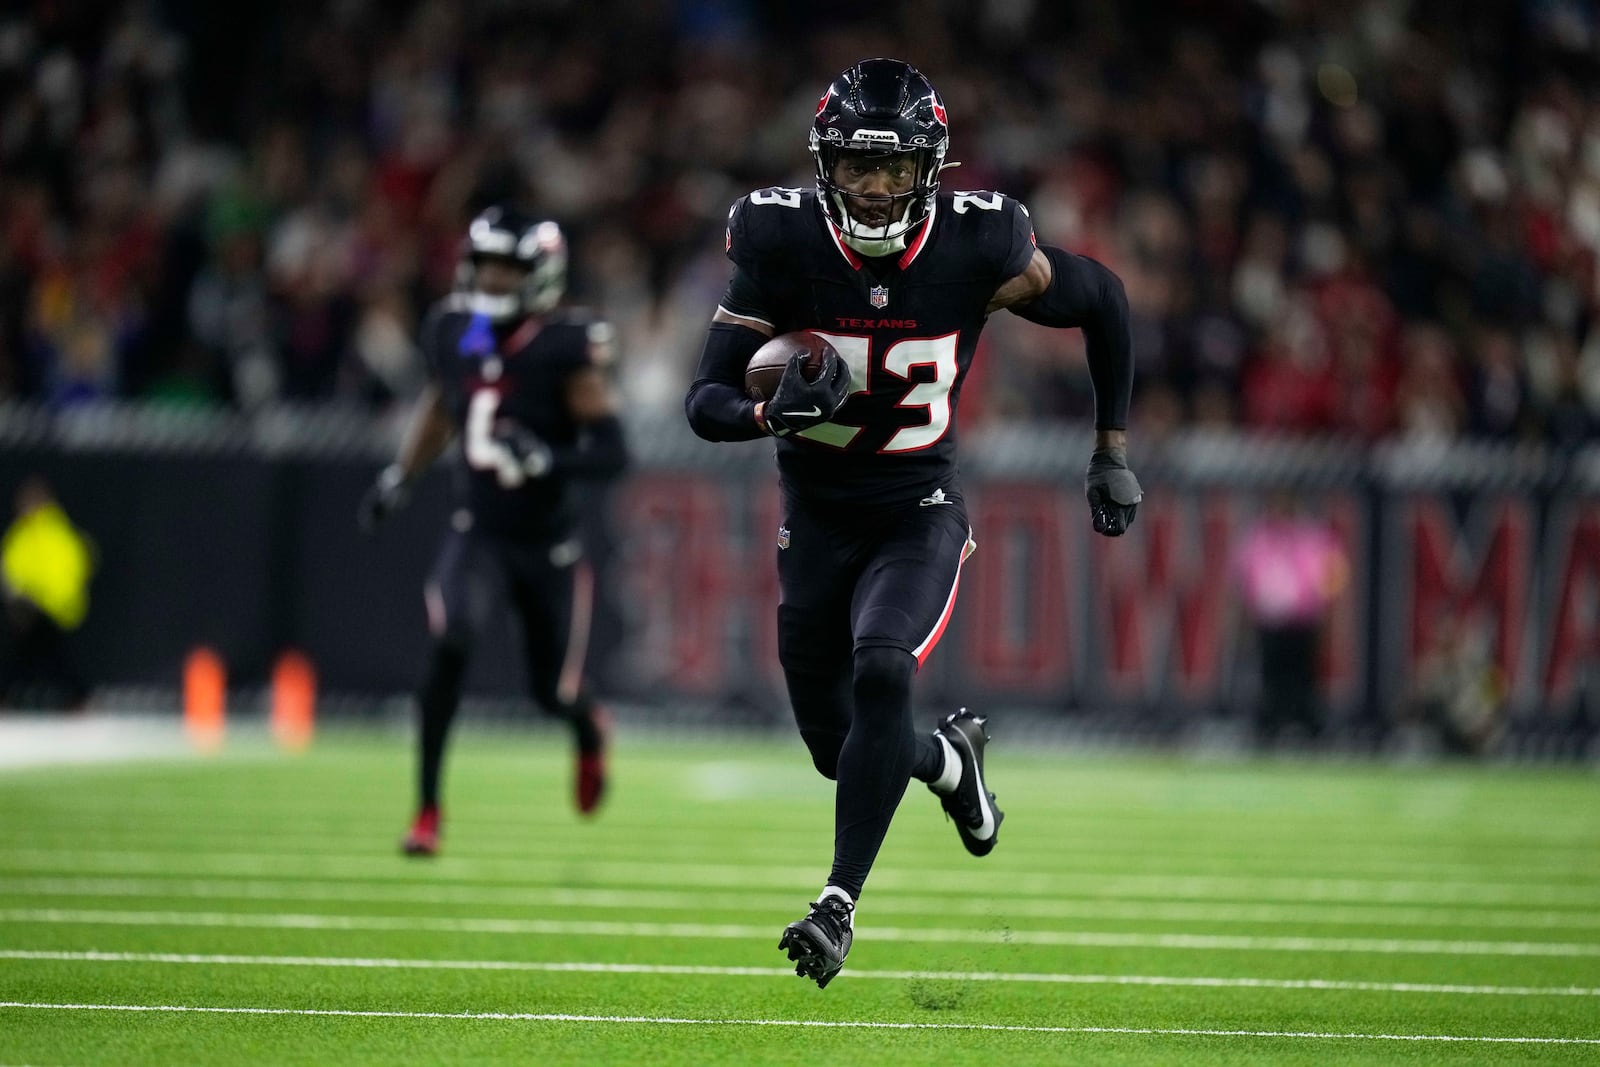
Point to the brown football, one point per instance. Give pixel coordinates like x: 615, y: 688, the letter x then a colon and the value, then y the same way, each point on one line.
x: 766, y: 367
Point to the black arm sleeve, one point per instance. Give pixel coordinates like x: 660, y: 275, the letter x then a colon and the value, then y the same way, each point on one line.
x: 716, y: 405
x: 1085, y: 294
x: 745, y: 299
x: 601, y: 451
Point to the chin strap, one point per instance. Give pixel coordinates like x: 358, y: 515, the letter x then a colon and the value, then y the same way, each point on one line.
x: 868, y: 243
x: 875, y: 248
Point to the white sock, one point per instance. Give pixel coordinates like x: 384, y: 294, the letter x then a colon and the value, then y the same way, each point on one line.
x: 835, y: 891
x: 950, y: 777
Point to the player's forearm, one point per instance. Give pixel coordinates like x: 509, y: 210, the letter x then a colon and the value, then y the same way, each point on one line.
x: 1109, y: 347
x: 426, y: 436
x: 1085, y: 294
x: 601, y: 451
x: 716, y: 405
x: 719, y: 412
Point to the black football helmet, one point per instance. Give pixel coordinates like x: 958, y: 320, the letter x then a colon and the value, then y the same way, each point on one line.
x: 537, y: 248
x: 880, y: 107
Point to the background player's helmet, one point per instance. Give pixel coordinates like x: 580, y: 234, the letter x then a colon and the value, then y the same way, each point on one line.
x: 537, y: 248
x: 883, y: 107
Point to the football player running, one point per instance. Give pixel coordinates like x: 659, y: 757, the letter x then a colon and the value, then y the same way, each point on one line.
x: 526, y: 389
x: 899, y: 277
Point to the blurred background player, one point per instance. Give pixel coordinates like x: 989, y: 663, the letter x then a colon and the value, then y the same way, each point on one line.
x: 1457, y: 703
x: 45, y: 567
x: 526, y: 390
x: 900, y: 279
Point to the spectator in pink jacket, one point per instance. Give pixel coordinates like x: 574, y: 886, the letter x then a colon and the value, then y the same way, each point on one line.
x: 1291, y: 568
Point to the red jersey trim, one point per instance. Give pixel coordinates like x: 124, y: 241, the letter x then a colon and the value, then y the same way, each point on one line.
x: 922, y: 236
x: 838, y: 242
x: 523, y: 334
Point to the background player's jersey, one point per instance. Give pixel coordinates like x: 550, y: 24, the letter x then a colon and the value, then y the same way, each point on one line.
x: 519, y: 371
x: 907, y: 324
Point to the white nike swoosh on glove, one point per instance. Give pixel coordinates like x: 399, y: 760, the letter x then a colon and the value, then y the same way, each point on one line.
x: 801, y: 414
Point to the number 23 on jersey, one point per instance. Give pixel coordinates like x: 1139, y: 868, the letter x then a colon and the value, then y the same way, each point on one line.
x: 898, y: 358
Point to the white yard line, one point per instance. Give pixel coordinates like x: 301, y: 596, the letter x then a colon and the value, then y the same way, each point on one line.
x: 531, y: 847
x: 570, y: 967
x: 1014, y: 883
x: 647, y: 1020
x: 564, y: 928
x: 885, y: 903
x: 512, y: 826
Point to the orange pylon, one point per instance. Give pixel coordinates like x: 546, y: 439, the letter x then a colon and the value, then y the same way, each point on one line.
x: 294, y: 701
x: 205, y: 698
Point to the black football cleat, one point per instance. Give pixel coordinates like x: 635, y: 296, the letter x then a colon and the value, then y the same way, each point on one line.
x: 819, y: 943
x: 971, y: 805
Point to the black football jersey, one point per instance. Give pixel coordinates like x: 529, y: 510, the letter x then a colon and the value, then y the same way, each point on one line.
x: 906, y: 324
x: 490, y: 374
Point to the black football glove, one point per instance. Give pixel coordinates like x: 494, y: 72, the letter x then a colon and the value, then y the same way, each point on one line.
x: 798, y: 404
x: 530, y: 456
x: 388, y: 494
x: 1114, y: 492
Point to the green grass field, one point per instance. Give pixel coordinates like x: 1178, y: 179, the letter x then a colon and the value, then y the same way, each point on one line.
x: 252, y: 908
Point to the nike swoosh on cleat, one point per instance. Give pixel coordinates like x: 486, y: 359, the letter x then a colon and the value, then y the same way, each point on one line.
x: 985, y: 829
x: 801, y: 414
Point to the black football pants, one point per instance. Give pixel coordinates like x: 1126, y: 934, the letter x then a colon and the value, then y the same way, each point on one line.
x: 551, y: 590
x: 862, y: 603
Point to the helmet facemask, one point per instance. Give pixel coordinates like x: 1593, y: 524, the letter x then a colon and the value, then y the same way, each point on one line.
x: 906, y: 210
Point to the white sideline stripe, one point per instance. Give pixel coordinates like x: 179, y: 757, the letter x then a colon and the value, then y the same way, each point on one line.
x: 1153, y: 886
x: 29, y: 740
x: 648, y: 1020
x: 552, y: 927
x: 1379, y: 914
x: 360, y: 963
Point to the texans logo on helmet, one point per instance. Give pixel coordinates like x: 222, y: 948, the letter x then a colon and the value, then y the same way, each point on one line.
x: 938, y: 111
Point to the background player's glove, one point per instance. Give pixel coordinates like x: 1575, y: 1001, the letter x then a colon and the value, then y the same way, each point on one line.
x: 530, y: 456
x: 1114, y: 492
x: 388, y: 494
x: 797, y: 404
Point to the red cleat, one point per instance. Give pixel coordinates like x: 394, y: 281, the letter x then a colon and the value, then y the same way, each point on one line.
x: 423, y: 840
x: 590, y: 783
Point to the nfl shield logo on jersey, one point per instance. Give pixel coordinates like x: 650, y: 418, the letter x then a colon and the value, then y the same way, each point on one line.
x: 879, y: 295
x: 783, y: 537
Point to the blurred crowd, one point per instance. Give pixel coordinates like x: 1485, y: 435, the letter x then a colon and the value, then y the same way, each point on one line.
x: 1367, y: 218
